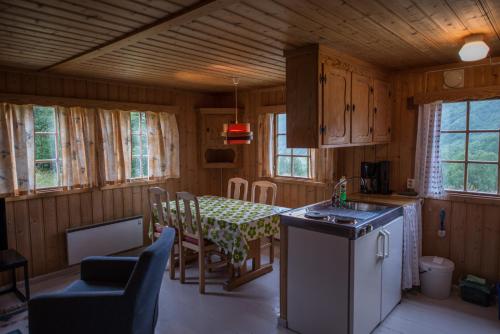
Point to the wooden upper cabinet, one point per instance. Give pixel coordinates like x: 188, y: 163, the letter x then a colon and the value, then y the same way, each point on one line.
x: 361, y: 109
x: 381, y: 111
x: 336, y: 96
x: 330, y: 99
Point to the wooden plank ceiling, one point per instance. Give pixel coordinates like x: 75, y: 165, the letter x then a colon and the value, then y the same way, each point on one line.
x: 201, y: 45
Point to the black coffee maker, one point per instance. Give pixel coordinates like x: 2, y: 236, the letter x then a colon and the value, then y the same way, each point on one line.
x: 376, y: 176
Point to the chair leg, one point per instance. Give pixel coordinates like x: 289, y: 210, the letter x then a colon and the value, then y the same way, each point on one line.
x: 271, y: 250
x: 172, y: 263
x: 182, y: 263
x: 201, y: 269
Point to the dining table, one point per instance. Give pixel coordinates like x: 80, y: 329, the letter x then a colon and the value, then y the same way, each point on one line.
x: 237, y: 227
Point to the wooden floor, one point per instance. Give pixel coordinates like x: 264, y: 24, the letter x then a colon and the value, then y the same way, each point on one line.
x: 253, y: 309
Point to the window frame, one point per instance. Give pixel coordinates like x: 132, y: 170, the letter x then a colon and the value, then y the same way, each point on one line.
x: 466, y: 160
x: 141, y: 155
x: 276, y: 155
x: 57, y: 143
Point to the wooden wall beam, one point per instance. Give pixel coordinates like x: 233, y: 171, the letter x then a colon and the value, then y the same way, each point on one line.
x: 72, y: 102
x: 458, y: 94
x: 183, y: 16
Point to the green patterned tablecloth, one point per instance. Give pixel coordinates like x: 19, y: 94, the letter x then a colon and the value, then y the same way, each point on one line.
x: 231, y: 223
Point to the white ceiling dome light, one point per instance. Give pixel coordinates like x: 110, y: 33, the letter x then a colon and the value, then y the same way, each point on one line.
x: 474, y: 48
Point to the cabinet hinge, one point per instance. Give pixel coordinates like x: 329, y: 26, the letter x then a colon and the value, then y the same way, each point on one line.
x: 322, y: 78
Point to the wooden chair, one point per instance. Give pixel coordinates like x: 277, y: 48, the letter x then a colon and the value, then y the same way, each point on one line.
x: 238, y: 182
x: 158, y: 195
x: 191, y: 238
x: 264, y: 186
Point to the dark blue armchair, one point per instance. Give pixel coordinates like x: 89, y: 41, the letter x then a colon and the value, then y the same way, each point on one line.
x: 114, y: 295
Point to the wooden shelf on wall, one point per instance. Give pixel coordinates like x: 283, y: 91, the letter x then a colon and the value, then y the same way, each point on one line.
x: 214, y: 154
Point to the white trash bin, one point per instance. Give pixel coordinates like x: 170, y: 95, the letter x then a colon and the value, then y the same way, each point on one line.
x: 436, y: 274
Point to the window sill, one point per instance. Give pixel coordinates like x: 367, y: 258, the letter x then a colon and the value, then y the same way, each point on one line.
x: 473, y: 198
x: 299, y: 181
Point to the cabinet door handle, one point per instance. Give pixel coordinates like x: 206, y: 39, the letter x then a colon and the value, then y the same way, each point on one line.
x: 347, y: 107
x: 380, y: 253
x: 353, y: 107
x: 370, y: 129
x: 387, y: 240
x: 375, y: 110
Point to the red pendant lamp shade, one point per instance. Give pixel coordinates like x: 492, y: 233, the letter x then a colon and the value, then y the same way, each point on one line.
x: 236, y: 133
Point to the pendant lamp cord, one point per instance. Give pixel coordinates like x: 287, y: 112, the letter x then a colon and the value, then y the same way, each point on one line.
x: 235, y: 82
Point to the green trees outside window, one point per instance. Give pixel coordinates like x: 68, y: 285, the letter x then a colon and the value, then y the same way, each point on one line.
x: 469, y: 146
x: 139, y: 141
x: 289, y: 162
x: 47, y: 148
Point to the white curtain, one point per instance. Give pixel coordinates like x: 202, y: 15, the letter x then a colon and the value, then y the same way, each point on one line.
x: 114, y: 146
x: 77, y: 131
x: 163, y: 140
x: 265, y: 142
x: 17, y: 149
x: 428, y: 171
x: 412, y: 244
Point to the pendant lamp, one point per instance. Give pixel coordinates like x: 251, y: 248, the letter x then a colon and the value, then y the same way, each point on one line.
x: 236, y: 133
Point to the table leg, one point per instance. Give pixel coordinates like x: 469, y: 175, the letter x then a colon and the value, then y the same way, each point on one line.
x: 26, y: 283
x: 13, y: 277
x: 258, y: 269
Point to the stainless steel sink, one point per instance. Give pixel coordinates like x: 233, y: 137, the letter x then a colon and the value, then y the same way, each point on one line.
x: 350, y: 211
x: 360, y: 206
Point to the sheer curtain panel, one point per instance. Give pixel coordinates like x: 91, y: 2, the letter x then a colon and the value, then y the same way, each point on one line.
x: 114, y: 146
x: 163, y: 142
x: 265, y: 142
x: 17, y: 149
x: 428, y: 171
x: 78, y: 153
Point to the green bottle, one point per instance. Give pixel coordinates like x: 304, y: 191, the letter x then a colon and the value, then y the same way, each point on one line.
x: 343, y: 191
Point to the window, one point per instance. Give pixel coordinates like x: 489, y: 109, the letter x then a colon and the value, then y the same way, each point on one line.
x: 469, y: 146
x: 289, y: 162
x: 139, y: 135
x: 47, y: 148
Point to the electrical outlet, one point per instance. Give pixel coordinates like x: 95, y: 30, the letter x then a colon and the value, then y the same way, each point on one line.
x: 410, y: 183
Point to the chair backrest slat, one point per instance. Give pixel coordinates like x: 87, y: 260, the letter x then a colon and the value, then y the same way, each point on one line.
x: 186, y: 219
x: 238, y: 182
x: 158, y: 195
x: 264, y: 186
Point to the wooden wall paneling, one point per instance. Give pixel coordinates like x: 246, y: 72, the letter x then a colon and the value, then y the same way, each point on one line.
x: 146, y: 213
x: 457, y: 238
x: 63, y: 221
x: 128, y: 209
x: 97, y: 207
x: 117, y: 203
x: 37, y: 236
x: 137, y: 200
x: 86, y: 208
x: 75, y: 212
x: 490, y: 245
x: 107, y: 205
x: 474, y: 239
x: 52, y: 246
x: 23, y: 242
x: 434, y: 244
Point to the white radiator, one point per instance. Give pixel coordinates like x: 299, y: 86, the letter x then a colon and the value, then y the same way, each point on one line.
x: 104, y: 239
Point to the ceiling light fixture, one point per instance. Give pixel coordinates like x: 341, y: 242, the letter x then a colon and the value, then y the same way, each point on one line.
x: 474, y: 49
x: 236, y: 133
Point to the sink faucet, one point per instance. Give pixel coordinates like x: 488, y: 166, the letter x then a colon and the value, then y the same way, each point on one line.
x: 335, y: 195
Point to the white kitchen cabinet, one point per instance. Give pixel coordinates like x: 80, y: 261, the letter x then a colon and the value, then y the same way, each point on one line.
x: 342, y: 286
x: 392, y: 267
x: 367, y: 280
x: 377, y: 266
x: 318, y: 277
